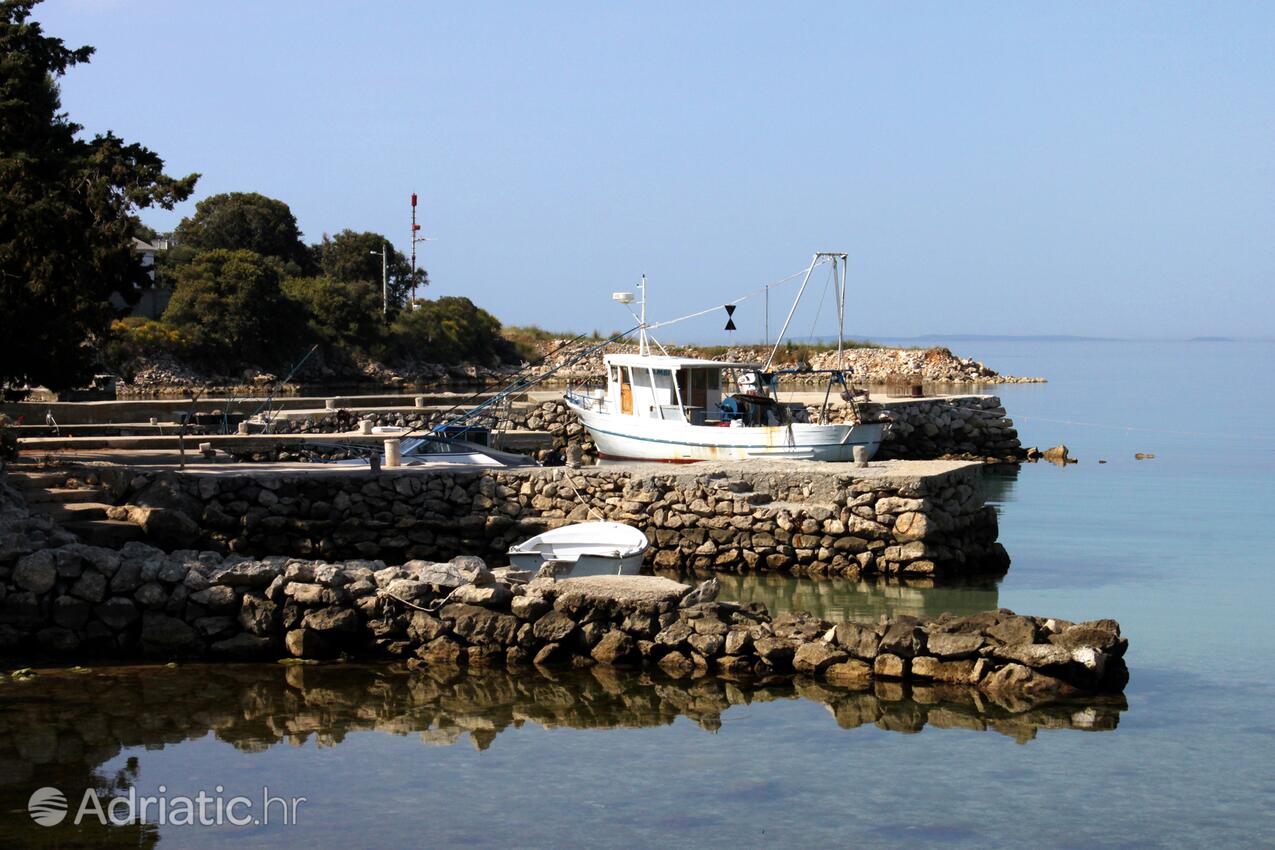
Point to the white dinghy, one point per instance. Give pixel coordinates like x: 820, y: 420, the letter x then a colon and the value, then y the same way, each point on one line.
x: 584, y: 549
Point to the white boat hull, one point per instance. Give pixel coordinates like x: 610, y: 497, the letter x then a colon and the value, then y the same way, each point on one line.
x: 584, y: 549
x: 620, y: 437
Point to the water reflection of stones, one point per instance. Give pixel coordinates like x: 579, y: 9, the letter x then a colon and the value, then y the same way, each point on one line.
x: 838, y: 599
x: 70, y: 719
x: 59, y: 728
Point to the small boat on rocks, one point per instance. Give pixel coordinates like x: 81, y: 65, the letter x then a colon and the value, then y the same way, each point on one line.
x: 583, y: 549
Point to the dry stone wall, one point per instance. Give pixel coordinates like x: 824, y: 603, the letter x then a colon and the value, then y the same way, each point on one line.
x: 793, y: 518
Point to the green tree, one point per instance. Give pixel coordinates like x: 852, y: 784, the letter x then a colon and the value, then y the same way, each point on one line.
x: 232, y: 306
x: 67, y: 213
x: 353, y: 256
x: 246, y: 221
x: 448, y: 330
x: 338, y: 312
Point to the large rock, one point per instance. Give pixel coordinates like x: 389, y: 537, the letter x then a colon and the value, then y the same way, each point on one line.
x: 258, y: 615
x: 614, y: 648
x: 490, y: 596
x: 248, y: 574
x: 305, y: 643
x: 904, y: 639
x: 553, y: 627
x: 105, y: 561
x: 331, y: 621
x: 458, y: 572
x: 889, y: 666
x: 1103, y: 635
x: 948, y: 646
x: 218, y: 599
x: 1013, y: 629
x: 91, y: 587
x: 860, y: 641
x: 816, y: 657
x: 167, y: 636
x: 958, y: 671
x: 480, y: 625
x: 117, y: 613
x: 1019, y: 688
x: 778, y: 652
x: 529, y: 606
x: 650, y: 593
x: 409, y: 590
x: 36, y: 572
x: 166, y: 525
x: 423, y: 628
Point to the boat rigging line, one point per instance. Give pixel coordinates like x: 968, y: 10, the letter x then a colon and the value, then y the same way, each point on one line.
x: 520, y: 383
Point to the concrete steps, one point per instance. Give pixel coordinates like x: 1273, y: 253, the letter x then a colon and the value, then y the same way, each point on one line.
x: 111, y: 533
x: 79, y: 509
x: 27, y: 481
x: 65, y: 495
x: 70, y: 511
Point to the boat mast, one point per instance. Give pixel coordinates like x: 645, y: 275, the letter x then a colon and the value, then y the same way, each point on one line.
x: 841, y: 308
x: 779, y: 339
x: 838, y: 259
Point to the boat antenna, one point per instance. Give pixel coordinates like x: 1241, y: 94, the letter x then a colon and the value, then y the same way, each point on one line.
x: 644, y: 347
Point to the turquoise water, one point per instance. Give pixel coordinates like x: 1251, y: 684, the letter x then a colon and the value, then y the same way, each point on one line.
x: 1178, y: 548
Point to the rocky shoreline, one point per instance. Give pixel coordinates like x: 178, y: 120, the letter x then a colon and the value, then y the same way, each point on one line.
x: 161, y: 376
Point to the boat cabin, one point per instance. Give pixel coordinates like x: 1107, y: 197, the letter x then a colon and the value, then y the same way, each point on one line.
x: 680, y: 389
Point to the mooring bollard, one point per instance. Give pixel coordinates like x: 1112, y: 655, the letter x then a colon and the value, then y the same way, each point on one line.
x: 365, y: 426
x: 419, y: 401
x: 393, y: 453
x: 243, y: 427
x: 329, y: 404
x: 860, y: 456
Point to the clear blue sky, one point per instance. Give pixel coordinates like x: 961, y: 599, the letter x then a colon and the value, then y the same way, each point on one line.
x: 1005, y: 168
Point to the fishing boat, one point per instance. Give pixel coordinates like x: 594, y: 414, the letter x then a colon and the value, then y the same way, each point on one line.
x: 655, y: 407
x: 583, y: 549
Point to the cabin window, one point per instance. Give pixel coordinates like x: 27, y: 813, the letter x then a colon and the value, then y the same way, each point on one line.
x: 694, y: 386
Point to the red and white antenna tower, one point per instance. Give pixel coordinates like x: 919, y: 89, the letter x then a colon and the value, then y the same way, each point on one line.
x: 415, y: 230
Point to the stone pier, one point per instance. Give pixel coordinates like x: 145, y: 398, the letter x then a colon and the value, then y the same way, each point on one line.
x: 914, y: 519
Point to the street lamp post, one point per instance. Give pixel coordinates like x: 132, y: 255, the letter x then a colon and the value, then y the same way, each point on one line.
x: 385, y: 282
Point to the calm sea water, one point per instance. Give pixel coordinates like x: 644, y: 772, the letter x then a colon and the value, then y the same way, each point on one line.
x: 1178, y: 548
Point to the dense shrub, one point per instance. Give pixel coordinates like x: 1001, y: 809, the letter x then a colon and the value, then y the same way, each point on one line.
x: 448, y: 330
x: 232, y: 306
x: 136, y: 337
x: 338, y: 313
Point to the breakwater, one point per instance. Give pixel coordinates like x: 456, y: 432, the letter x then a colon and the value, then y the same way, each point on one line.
x: 75, y: 601
x: 887, y: 519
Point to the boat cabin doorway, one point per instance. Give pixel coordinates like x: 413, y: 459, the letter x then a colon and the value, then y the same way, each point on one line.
x: 626, y: 390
